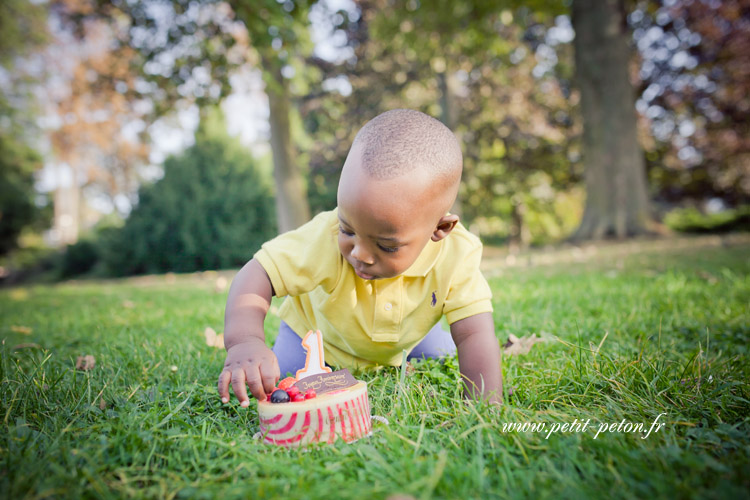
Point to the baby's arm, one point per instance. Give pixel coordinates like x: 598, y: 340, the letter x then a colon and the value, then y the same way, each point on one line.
x: 479, y: 356
x: 249, y: 361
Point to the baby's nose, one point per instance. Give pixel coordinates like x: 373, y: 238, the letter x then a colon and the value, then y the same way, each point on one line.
x: 361, y: 254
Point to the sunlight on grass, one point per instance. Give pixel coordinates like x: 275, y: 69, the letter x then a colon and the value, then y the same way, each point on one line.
x: 649, y: 338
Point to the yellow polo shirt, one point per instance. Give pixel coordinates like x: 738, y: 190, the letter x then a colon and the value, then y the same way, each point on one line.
x: 370, y: 322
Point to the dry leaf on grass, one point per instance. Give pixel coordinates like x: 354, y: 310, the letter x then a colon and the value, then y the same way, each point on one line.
x: 85, y: 363
x: 21, y: 329
x: 26, y: 345
x: 212, y: 339
x: 514, y: 345
x: 710, y: 278
x: 102, y: 404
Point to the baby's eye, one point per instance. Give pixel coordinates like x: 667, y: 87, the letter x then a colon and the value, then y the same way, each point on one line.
x: 344, y: 231
x: 388, y: 249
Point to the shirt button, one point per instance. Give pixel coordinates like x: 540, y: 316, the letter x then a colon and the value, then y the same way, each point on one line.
x: 388, y: 306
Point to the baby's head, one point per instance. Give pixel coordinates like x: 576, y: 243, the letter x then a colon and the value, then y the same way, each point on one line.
x: 398, y: 182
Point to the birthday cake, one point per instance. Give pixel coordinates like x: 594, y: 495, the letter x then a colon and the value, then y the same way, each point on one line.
x: 315, y: 406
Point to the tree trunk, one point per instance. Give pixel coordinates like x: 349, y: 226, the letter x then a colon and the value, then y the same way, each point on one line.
x: 292, y: 208
x: 615, y: 173
x: 520, y: 236
x: 448, y: 117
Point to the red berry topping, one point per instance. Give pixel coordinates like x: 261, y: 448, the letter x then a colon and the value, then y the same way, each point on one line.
x: 292, y: 391
x: 310, y: 393
x: 298, y: 397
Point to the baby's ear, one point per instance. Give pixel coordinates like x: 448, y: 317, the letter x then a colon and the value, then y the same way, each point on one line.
x: 444, y: 226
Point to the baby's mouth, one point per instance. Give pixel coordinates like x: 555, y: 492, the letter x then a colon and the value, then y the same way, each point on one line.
x: 363, y: 274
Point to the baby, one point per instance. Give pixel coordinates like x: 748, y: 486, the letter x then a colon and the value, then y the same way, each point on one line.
x: 375, y: 275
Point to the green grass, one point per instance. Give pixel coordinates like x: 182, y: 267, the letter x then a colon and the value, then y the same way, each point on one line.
x: 638, y: 336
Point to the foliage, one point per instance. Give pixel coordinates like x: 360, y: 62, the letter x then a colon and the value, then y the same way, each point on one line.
x: 211, y: 210
x: 649, y: 334
x: 103, y: 138
x: 490, y: 78
x: 691, y: 220
x: 79, y: 258
x: 177, y: 49
x: 497, y: 73
x: 22, y: 30
x: 129, y: 63
x: 695, y: 90
x: 18, y: 210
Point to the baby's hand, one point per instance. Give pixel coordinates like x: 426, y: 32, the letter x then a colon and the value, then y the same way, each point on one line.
x: 249, y: 364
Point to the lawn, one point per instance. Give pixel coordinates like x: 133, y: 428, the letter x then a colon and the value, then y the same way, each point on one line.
x: 644, y: 339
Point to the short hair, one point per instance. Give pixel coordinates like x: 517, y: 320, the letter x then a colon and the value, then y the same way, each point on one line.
x: 398, y: 141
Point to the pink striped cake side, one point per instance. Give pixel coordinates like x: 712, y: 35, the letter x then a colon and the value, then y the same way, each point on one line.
x: 341, y: 415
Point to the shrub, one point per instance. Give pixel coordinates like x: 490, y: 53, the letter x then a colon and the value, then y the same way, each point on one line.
x: 691, y: 220
x: 211, y: 210
x: 79, y: 258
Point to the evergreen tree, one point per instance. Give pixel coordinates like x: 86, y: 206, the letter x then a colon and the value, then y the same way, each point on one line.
x: 211, y: 210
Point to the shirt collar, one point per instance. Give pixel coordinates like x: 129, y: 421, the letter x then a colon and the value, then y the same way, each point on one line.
x: 426, y: 260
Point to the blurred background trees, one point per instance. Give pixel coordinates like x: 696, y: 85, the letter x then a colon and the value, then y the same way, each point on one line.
x: 22, y: 30
x: 210, y: 210
x: 578, y: 119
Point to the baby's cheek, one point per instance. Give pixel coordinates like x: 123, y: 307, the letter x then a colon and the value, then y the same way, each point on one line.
x: 342, y: 246
x: 399, y: 265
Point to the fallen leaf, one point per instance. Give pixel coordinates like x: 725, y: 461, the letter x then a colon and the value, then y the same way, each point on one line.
x: 85, y: 363
x: 710, y: 278
x: 212, y: 339
x: 102, y: 404
x: 26, y: 345
x: 21, y: 329
x: 514, y: 345
x: 128, y: 304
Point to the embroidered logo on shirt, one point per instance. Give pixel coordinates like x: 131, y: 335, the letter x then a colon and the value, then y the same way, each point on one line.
x: 434, y: 300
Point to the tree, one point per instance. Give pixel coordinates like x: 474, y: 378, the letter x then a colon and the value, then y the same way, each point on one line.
x: 616, y: 190
x: 22, y: 29
x: 695, y: 93
x: 135, y: 61
x: 211, y: 210
x: 277, y: 32
x: 91, y: 141
x: 513, y: 122
x: 181, y: 39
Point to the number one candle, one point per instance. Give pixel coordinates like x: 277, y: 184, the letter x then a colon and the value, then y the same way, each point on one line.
x: 315, y: 360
